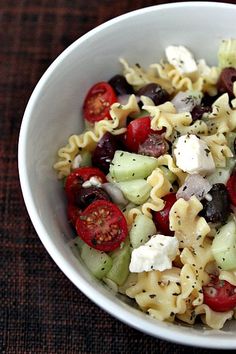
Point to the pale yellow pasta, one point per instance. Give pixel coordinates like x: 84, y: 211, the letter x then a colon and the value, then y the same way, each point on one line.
x: 213, y: 319
x: 193, y: 275
x: 184, y: 83
x: 190, y: 228
x: 155, y: 297
x: 167, y: 160
x: 228, y: 275
x: 138, y: 77
x: 218, y: 147
x: 165, y: 116
x: 222, y: 119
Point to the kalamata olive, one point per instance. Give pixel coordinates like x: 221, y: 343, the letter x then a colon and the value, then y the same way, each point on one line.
x: 155, y: 92
x: 104, y: 152
x: 120, y: 85
x: 199, y: 110
x: 216, y: 208
x: 226, y: 80
x: 155, y: 145
x: 208, y: 100
x: 86, y: 196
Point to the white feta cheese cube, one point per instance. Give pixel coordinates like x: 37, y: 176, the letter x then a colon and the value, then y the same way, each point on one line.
x: 156, y: 254
x: 193, y: 155
x: 181, y: 58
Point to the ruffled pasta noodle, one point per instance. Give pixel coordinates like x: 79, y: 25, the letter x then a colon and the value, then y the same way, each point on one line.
x: 167, y: 160
x: 157, y: 298
x: 222, y: 119
x: 190, y: 229
x: 228, y: 275
x: 218, y: 147
x: 138, y: 77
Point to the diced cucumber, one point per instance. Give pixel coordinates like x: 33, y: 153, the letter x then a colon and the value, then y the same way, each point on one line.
x: 227, y: 53
x: 77, y: 243
x: 136, y: 191
x: 224, y: 246
x: 120, y: 267
x: 127, y: 166
x: 143, y: 227
x: 168, y: 174
x: 86, y: 158
x: 99, y: 263
x: 222, y: 174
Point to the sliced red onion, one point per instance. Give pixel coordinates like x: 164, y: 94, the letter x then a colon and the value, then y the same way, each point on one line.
x: 194, y: 185
x: 186, y: 101
x: 115, y: 193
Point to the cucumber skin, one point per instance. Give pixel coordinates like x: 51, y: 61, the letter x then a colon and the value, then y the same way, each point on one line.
x: 224, y: 246
x: 127, y: 166
x: 120, y: 267
x: 142, y: 228
x: 99, y: 263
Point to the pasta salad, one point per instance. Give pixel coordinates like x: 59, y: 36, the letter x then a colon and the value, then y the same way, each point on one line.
x: 151, y: 185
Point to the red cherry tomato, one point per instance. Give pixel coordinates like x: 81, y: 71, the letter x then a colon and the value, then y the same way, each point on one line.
x: 137, y: 132
x: 231, y: 187
x: 161, y: 218
x: 102, y: 226
x: 219, y: 295
x: 75, y: 180
x: 98, y: 101
x: 73, y: 213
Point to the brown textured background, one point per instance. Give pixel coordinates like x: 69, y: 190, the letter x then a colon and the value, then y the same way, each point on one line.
x: 40, y: 310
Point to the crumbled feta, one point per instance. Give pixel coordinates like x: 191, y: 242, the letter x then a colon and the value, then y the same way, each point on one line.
x: 76, y: 162
x: 203, y: 68
x: 156, y: 254
x: 193, y: 155
x: 93, y: 181
x: 181, y: 58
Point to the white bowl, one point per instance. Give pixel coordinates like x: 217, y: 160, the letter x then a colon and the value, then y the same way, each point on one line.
x: 53, y: 113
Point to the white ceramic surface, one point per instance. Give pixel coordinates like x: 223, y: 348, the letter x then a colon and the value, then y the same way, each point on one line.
x: 54, y: 112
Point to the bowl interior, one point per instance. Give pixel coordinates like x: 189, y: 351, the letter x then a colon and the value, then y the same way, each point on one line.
x: 54, y: 112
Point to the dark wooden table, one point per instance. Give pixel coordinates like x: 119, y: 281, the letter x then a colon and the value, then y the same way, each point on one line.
x: 41, y: 311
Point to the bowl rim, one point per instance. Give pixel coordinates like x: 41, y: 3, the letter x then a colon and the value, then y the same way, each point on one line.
x: 133, y: 320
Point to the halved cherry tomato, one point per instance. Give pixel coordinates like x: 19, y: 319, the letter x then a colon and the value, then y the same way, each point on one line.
x: 102, y: 226
x: 73, y: 213
x: 98, y: 101
x: 161, y: 218
x: 231, y: 187
x: 77, y: 177
x: 219, y: 295
x: 137, y: 132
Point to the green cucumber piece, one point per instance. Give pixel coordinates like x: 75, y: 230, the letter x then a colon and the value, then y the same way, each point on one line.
x: 99, y: 263
x: 127, y: 166
x: 224, y: 246
x: 136, y: 191
x: 120, y: 267
x: 86, y: 158
x: 143, y: 227
x: 168, y: 174
x: 222, y: 174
